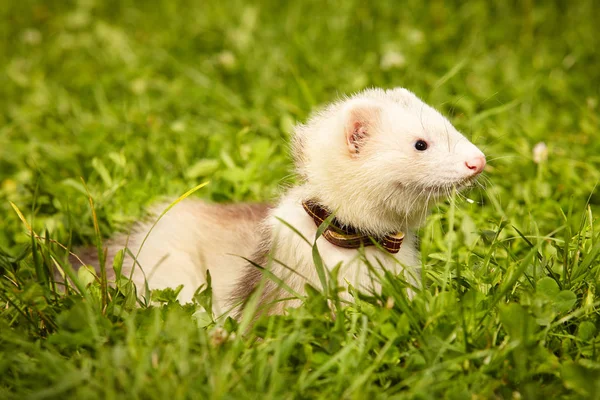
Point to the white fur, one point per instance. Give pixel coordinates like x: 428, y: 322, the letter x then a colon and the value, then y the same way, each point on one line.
x: 384, y: 186
x: 190, y: 239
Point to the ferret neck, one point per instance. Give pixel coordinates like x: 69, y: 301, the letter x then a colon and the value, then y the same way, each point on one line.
x: 367, y: 217
x: 348, y: 236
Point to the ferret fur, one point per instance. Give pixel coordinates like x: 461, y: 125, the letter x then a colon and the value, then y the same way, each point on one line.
x: 357, y: 158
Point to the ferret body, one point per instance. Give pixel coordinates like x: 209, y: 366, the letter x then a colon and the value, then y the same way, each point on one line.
x: 376, y: 160
x: 190, y: 239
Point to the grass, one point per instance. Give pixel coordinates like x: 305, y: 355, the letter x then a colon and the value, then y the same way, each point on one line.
x: 148, y: 100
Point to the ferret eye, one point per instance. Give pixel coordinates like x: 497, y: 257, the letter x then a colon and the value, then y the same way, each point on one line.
x: 421, y: 145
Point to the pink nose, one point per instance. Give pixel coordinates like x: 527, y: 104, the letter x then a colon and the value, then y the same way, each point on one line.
x: 476, y: 164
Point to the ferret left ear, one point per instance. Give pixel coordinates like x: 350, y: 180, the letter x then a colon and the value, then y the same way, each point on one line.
x: 361, y: 122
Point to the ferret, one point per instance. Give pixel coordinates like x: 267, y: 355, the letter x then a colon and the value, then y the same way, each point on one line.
x: 375, y: 160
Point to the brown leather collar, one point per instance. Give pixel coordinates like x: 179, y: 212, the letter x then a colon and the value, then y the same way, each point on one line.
x: 347, y: 236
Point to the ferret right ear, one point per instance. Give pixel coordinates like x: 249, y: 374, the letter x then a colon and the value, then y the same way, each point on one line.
x: 362, y: 120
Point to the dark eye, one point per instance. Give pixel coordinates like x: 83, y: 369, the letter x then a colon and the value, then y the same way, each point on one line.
x: 421, y: 145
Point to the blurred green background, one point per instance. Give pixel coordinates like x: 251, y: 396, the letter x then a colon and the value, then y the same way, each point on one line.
x: 147, y: 99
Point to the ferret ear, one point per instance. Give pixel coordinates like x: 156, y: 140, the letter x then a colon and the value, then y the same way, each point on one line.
x: 362, y: 121
x: 403, y: 96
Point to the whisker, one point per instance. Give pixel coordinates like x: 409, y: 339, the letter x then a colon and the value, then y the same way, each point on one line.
x: 503, y: 157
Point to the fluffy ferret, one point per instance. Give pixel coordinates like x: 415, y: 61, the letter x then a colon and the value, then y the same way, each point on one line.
x: 376, y: 160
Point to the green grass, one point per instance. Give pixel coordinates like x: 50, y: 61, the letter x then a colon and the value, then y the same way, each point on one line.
x: 149, y: 99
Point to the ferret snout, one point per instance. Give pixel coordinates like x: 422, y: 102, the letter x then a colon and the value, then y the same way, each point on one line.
x: 476, y: 164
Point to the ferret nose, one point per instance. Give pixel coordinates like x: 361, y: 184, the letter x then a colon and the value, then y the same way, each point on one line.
x: 476, y: 164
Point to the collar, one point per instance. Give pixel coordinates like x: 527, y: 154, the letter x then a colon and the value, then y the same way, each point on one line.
x: 349, y: 237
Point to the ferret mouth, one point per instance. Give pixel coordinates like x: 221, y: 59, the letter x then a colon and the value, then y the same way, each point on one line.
x: 460, y: 184
x: 446, y: 188
x: 439, y: 189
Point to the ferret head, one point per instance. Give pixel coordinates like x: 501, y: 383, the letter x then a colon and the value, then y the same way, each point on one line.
x: 380, y: 157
